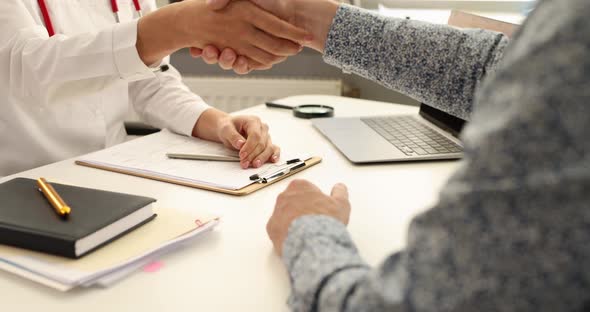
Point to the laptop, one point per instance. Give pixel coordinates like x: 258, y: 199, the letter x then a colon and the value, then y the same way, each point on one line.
x: 430, y: 135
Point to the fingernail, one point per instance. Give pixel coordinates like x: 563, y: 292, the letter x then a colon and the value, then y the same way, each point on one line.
x: 257, y: 163
x: 240, y: 143
x: 275, y: 158
x: 209, y: 2
x: 246, y: 164
x: 308, y: 38
x: 209, y: 53
x: 228, y: 57
x: 241, y: 62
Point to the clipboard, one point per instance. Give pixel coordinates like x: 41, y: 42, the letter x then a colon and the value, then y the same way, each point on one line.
x: 267, y: 179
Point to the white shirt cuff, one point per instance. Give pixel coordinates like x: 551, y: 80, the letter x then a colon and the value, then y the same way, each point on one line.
x: 185, y: 123
x: 125, y: 55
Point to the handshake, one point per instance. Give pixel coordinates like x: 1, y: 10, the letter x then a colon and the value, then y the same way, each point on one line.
x: 242, y: 35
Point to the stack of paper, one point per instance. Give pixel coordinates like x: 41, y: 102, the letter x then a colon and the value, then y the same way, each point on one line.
x: 171, y: 229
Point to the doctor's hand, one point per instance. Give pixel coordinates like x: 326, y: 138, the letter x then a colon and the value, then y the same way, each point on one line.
x: 303, y: 198
x: 314, y: 16
x: 246, y: 134
x: 261, y: 37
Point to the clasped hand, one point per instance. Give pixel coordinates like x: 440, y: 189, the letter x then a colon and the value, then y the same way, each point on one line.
x: 262, y: 38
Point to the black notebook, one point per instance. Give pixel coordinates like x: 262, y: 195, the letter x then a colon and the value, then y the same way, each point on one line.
x: 27, y: 220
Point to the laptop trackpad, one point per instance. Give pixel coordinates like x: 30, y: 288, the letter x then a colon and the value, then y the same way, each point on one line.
x: 358, y: 142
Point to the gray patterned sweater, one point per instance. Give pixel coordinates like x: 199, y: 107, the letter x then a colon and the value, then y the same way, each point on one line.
x: 512, y: 229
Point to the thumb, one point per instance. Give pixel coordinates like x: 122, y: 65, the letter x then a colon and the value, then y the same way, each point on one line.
x: 217, y: 4
x: 195, y: 52
x: 265, y: 4
x: 339, y: 192
x: 234, y: 138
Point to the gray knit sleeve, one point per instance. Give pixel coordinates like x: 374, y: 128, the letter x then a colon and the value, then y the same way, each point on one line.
x: 322, y: 244
x: 434, y: 64
x: 511, y: 229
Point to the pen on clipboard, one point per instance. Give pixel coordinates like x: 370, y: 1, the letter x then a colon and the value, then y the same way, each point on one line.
x: 288, y: 167
x: 59, y: 205
x: 203, y: 157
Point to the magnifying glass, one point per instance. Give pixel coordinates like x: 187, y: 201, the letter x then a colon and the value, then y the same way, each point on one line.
x: 307, y: 111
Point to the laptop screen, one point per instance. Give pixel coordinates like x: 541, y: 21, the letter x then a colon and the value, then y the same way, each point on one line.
x: 445, y: 121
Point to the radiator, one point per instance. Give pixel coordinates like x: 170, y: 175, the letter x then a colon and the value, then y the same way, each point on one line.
x: 231, y: 94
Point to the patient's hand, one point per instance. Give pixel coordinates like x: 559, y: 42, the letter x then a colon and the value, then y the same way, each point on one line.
x: 260, y: 38
x: 302, y: 198
x: 229, y: 58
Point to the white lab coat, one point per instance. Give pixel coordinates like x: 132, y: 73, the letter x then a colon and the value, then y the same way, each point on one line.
x: 68, y: 95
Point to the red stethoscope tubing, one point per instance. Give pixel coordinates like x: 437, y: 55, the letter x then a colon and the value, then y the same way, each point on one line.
x: 49, y: 24
x: 115, y: 6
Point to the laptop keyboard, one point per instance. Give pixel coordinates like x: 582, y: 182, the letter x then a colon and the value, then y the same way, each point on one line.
x: 411, y: 136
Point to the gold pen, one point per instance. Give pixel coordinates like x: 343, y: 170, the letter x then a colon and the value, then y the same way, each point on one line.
x: 59, y: 205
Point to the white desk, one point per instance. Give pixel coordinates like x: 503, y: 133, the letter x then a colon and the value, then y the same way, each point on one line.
x: 235, y: 267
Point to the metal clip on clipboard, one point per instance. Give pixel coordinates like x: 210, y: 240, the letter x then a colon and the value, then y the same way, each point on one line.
x: 281, y: 170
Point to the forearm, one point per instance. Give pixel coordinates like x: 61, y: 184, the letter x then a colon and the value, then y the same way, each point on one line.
x: 207, y: 125
x: 108, y: 55
x: 160, y: 33
x: 328, y: 274
x: 435, y: 64
x: 165, y: 102
x: 316, y: 16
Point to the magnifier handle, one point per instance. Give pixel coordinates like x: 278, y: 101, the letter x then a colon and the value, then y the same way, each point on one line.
x: 276, y: 105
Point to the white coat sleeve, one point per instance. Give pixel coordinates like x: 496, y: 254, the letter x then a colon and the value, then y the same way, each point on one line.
x: 165, y: 101
x: 37, y: 62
